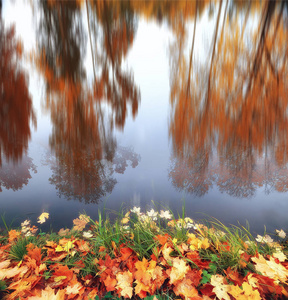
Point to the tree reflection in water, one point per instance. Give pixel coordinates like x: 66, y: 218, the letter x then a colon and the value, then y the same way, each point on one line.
x: 82, y: 137
x: 15, y: 176
x: 228, y: 122
x: 16, y: 113
x: 90, y: 187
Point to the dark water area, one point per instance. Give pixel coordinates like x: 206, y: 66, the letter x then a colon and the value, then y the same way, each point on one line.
x: 125, y: 103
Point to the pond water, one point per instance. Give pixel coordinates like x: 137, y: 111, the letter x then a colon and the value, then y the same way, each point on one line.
x: 121, y: 103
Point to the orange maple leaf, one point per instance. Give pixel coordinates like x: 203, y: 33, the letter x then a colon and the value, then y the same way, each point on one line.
x: 163, y: 239
x: 141, y: 274
x: 13, y: 235
x: 34, y: 252
x: 141, y: 289
x: 125, y: 253
x: 186, y: 289
x: 81, y: 222
x: 61, y: 275
x: 234, y: 276
x: 110, y: 283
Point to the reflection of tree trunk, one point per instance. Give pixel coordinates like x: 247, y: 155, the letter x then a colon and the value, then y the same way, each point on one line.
x: 191, y: 53
x: 213, y: 54
x: 88, y: 20
x: 108, y: 33
x: 268, y: 55
x: 224, y: 19
x: 270, y: 8
x: 61, y: 27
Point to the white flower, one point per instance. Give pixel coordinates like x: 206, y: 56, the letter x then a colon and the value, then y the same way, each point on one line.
x: 87, y: 234
x: 165, y: 214
x: 281, y: 233
x: 189, y: 225
x: 152, y: 214
x: 264, y: 239
x: 136, y: 210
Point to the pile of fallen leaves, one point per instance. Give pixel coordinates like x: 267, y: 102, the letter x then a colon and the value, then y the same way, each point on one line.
x: 185, y: 260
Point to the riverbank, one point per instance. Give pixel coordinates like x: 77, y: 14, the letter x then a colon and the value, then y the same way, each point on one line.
x: 150, y: 255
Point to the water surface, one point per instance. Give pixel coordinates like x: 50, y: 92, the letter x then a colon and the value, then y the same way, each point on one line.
x: 117, y: 103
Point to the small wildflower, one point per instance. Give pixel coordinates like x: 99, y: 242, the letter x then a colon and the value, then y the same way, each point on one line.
x: 87, y: 234
x: 264, y: 239
x: 165, y: 214
x: 136, y: 210
x: 152, y: 214
x: 189, y: 225
x: 143, y: 218
x: 281, y: 233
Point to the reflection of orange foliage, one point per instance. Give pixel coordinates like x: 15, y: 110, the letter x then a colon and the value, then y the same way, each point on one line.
x: 117, y: 23
x: 16, y: 106
x: 82, y: 132
x: 15, y: 176
x: 241, y: 115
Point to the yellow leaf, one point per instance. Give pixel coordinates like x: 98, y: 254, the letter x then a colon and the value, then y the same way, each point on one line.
x: 179, y: 270
x: 280, y: 256
x: 253, y: 281
x: 125, y: 220
x: 59, y: 278
x: 43, y: 217
x: 124, y: 284
x: 204, y: 244
x: 68, y: 246
x: 174, y: 241
x: 220, y: 288
x: 270, y: 268
x: 246, y: 292
x: 59, y: 249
